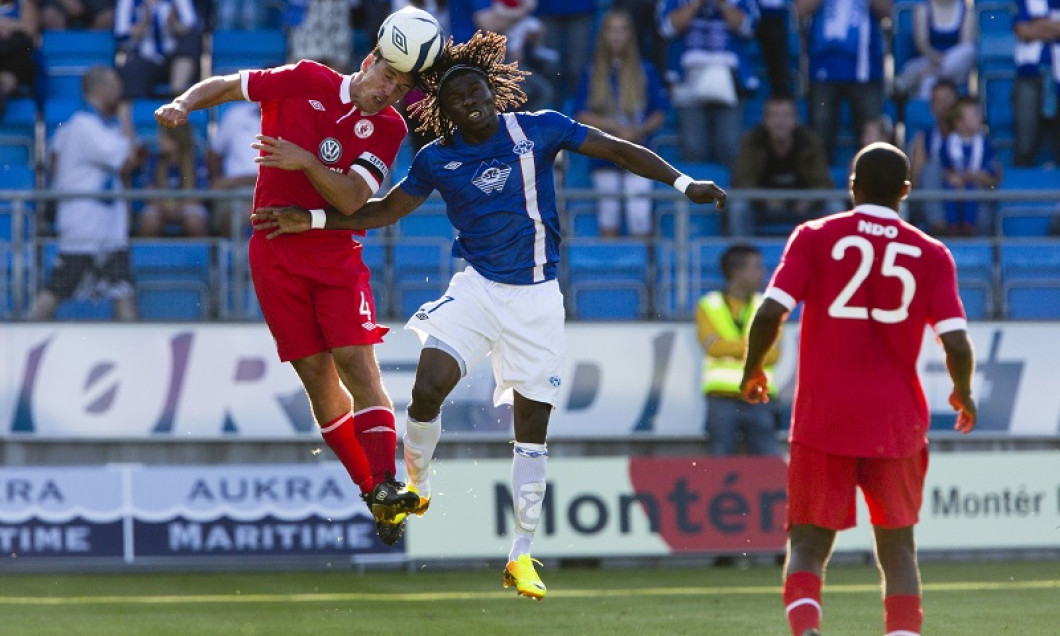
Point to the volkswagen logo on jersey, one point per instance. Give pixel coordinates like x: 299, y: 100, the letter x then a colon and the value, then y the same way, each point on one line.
x: 364, y: 129
x: 330, y: 150
x: 523, y: 147
x: 491, y: 177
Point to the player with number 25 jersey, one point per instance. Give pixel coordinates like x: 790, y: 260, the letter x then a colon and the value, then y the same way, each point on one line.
x: 871, y: 283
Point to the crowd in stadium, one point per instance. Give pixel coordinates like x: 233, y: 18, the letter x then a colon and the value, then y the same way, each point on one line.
x: 754, y: 94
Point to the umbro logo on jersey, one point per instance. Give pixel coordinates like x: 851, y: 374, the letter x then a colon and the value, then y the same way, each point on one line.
x: 330, y: 150
x: 491, y: 177
x: 523, y: 147
x: 316, y: 105
x: 369, y: 326
x: 453, y: 165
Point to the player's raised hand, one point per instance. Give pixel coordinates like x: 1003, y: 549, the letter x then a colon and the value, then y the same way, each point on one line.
x: 706, y: 192
x: 172, y: 114
x: 966, y: 412
x: 282, y: 154
x: 755, y: 387
x: 289, y: 219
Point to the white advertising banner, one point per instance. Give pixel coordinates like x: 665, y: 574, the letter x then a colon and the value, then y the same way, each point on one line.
x: 216, y: 381
x: 652, y: 506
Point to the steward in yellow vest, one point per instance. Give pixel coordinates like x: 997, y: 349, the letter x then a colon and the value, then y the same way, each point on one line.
x: 723, y: 319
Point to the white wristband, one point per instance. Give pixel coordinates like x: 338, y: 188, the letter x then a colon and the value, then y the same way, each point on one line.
x: 681, y: 183
x: 319, y: 219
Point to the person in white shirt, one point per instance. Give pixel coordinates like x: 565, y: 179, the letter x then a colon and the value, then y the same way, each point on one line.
x: 230, y: 163
x: 90, y: 153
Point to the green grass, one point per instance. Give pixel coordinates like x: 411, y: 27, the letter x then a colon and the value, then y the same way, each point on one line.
x: 960, y: 600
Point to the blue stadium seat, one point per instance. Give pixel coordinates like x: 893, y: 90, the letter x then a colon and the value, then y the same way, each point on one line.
x: 57, y: 112
x: 422, y: 268
x: 171, y: 300
x: 426, y: 222
x: 582, y: 219
x: 173, y: 278
x: 701, y: 222
x: 1031, y: 179
x: 13, y: 154
x: 1027, y: 220
x: 15, y: 176
x: 17, y: 126
x: 236, y: 50
x: 66, y: 55
x: 1032, y: 299
x: 997, y: 41
x: 78, y: 309
x: 977, y: 298
x: 607, y: 278
x: 917, y: 117
x: 1029, y: 259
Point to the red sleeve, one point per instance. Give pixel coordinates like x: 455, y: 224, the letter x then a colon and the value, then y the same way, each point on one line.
x: 279, y: 83
x: 945, y: 298
x: 788, y: 286
x: 373, y: 164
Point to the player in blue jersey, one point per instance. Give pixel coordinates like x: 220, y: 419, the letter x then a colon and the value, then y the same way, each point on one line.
x: 494, y: 172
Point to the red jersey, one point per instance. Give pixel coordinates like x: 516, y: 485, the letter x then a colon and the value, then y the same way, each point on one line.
x: 871, y: 283
x: 309, y: 104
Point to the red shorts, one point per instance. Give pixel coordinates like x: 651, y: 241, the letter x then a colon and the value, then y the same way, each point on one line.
x: 314, y: 291
x: 822, y: 488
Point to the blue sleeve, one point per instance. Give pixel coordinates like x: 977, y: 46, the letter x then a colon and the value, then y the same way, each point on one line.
x: 418, y: 182
x: 558, y: 130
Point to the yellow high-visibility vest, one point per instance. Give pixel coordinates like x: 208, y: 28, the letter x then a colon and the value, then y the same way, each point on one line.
x: 723, y: 375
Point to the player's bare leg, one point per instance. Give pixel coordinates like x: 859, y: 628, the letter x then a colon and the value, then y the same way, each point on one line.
x: 809, y: 548
x: 529, y: 461
x: 896, y: 557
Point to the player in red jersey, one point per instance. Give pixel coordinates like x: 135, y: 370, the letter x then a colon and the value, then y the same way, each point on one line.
x: 326, y: 139
x: 870, y: 284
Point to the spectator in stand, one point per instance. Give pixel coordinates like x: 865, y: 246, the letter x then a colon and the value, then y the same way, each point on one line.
x: 944, y: 32
x: 569, y: 34
x: 76, y: 14
x: 162, y: 43
x: 651, y: 43
x: 1037, y: 27
x: 710, y: 36
x: 174, y: 166
x: 623, y: 96
x: 93, y: 151
x: 968, y: 163
x: 322, y: 33
x: 925, y: 157
x: 774, y: 26
x: 845, y: 45
x: 18, y: 35
x: 877, y: 129
x: 513, y: 18
x: 230, y: 164
x: 780, y: 153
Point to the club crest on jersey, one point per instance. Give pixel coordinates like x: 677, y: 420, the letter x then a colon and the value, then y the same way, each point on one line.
x: 523, y: 147
x: 316, y: 105
x: 330, y: 150
x: 491, y: 177
x: 364, y: 129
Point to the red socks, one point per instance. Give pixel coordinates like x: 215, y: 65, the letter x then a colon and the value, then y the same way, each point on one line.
x: 802, y: 601
x: 902, y: 615
x: 340, y: 436
x: 377, y: 435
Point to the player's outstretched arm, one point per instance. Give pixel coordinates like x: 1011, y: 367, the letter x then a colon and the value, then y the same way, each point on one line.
x: 209, y: 92
x: 640, y: 160
x: 375, y: 213
x: 760, y: 339
x: 960, y: 361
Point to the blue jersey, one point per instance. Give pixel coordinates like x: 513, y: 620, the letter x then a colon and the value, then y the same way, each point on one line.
x: 500, y: 194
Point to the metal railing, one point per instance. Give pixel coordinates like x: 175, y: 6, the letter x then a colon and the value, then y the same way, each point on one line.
x: 669, y: 287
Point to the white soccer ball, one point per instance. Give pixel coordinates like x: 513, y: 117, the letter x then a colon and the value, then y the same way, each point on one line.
x: 410, y: 40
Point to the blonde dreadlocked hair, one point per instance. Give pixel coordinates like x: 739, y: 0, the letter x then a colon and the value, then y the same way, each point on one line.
x: 484, y: 53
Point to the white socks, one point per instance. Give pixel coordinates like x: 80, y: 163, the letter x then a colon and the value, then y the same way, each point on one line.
x: 528, y: 494
x: 418, y: 444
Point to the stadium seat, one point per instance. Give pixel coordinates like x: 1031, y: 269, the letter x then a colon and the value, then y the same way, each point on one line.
x: 422, y: 268
x: 1032, y: 299
x: 1023, y: 259
x: 977, y: 298
x: 702, y: 221
x: 236, y: 50
x: 172, y: 300
x: 582, y: 219
x: 66, y: 55
x: 904, y: 49
x: 607, y: 278
x: 57, y: 111
x: 17, y: 127
x: 15, y: 176
x: 917, y: 117
x: 1027, y: 220
x: 997, y: 41
x: 173, y: 277
x: 426, y: 222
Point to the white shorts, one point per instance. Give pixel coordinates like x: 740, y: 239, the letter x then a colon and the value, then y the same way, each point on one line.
x: 520, y: 327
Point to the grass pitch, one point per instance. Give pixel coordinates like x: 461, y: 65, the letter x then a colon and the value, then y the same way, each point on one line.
x: 960, y: 600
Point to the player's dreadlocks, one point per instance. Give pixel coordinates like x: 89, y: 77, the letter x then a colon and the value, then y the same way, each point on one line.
x: 484, y: 53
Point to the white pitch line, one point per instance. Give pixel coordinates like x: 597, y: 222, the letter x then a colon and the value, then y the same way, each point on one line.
x: 430, y: 597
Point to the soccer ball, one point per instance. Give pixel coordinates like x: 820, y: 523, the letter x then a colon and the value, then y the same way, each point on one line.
x: 410, y: 40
